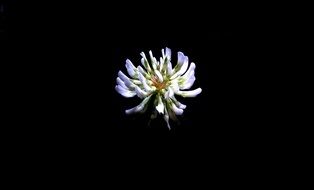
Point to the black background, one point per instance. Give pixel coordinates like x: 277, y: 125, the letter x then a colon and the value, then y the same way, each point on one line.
x: 69, y: 56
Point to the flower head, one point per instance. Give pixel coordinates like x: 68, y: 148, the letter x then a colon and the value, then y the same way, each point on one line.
x: 160, y: 80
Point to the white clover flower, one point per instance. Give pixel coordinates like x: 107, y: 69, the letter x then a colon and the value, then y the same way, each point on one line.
x: 158, y: 80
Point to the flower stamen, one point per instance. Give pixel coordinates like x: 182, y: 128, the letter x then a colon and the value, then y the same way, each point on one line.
x: 157, y: 84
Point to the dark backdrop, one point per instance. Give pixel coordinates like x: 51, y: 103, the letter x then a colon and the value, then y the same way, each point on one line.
x: 70, y: 55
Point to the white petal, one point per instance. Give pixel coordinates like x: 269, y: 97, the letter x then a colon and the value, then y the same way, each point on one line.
x: 177, y: 103
x: 176, y: 110
x: 166, y: 118
x: 162, y: 52
x: 186, y: 81
x: 189, y: 72
x: 161, y: 64
x: 188, y: 84
x: 181, y: 106
x: 146, y: 64
x: 184, y: 66
x: 160, y: 78
x: 181, y: 67
x: 168, y: 54
x: 126, y: 80
x: 181, y: 58
x: 123, y: 76
x: 157, y: 62
x: 140, y: 93
x: 124, y: 92
x: 169, y: 68
x: 191, y: 93
x: 190, y: 75
x: 130, y: 68
x: 131, y: 64
x: 141, y: 70
x: 143, y: 62
x: 121, y: 83
x: 138, y: 108
x: 153, y: 60
x: 169, y: 93
x: 160, y: 107
x: 175, y: 86
x: 143, y: 81
x: 143, y: 55
x: 136, y: 82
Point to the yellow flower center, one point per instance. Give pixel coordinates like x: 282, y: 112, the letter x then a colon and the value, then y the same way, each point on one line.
x: 159, y: 85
